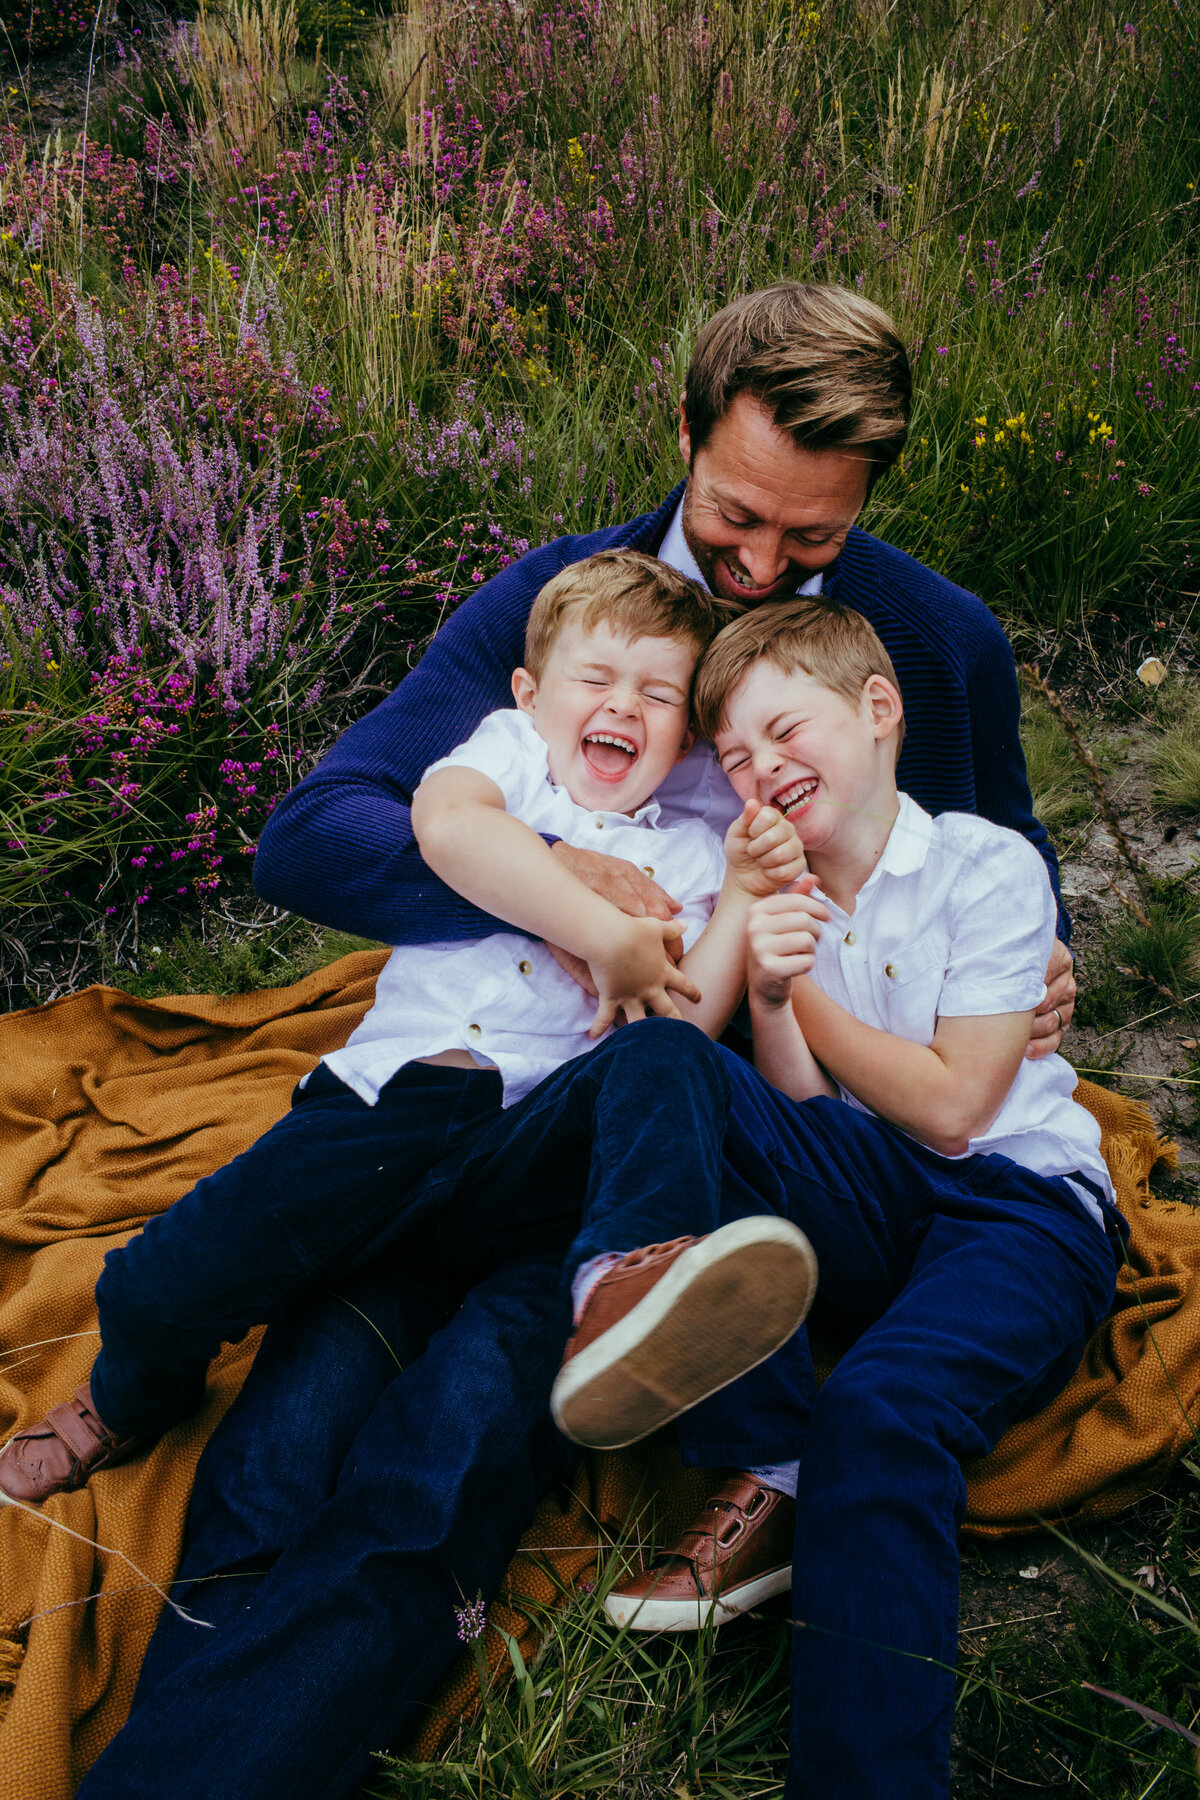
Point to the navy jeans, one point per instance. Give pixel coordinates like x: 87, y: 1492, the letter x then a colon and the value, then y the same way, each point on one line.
x: 349, y: 1508
x: 974, y: 1284
x: 345, y: 1514
x: 436, y: 1165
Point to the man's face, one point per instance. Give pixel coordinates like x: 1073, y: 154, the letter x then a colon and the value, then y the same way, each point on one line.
x: 760, y: 515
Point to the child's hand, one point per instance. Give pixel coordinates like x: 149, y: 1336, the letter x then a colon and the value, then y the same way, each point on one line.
x: 762, y: 850
x: 781, y: 941
x: 634, y: 973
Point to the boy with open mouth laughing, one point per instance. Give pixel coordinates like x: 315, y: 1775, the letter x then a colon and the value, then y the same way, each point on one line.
x: 453, y: 1094
x: 952, y: 1189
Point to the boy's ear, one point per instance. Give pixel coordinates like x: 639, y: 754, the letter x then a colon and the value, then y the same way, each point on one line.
x: 524, y: 689
x: 884, y: 704
x: 689, y: 738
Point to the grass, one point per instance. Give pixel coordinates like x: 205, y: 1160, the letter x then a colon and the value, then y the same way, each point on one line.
x: 1161, y: 947
x: 1062, y: 799
x: 485, y: 245
x: 604, y: 1714
x: 1121, y: 1621
x: 1149, y: 944
x: 612, y: 1716
x: 1175, y: 763
x: 216, y: 959
x: 1144, y: 959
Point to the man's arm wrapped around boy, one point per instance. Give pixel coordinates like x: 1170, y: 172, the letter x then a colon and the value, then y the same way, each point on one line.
x: 339, y: 848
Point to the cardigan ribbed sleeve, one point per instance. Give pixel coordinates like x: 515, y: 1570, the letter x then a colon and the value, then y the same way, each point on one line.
x: 340, y: 849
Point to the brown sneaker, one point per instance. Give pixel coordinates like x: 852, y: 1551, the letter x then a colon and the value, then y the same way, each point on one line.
x: 58, y: 1455
x: 736, y: 1555
x: 669, y: 1325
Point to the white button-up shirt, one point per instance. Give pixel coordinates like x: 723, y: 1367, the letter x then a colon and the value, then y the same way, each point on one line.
x: 698, y: 787
x: 503, y: 998
x: 957, y: 920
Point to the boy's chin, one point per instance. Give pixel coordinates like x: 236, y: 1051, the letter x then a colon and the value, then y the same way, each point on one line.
x: 627, y: 796
x: 621, y: 797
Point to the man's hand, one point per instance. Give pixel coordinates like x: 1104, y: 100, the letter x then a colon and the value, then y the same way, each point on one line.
x: 633, y: 974
x: 762, y: 850
x: 1053, y: 1016
x: 627, y: 888
x: 781, y: 941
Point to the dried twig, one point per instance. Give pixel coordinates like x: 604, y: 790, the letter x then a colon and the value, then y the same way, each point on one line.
x: 35, y: 1512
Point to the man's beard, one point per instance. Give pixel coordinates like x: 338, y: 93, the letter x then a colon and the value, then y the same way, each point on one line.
x: 706, y: 560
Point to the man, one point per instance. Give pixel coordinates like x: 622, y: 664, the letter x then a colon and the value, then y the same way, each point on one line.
x: 797, y: 400
x: 343, y: 1510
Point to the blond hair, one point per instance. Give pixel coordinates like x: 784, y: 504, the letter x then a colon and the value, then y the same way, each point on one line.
x: 637, y: 595
x: 832, y: 644
x: 829, y: 366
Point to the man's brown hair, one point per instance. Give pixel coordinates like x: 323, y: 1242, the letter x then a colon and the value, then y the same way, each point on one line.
x: 831, y: 643
x: 829, y: 366
x: 637, y: 595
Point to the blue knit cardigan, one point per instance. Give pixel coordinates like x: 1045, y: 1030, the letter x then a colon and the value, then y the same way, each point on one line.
x: 339, y: 848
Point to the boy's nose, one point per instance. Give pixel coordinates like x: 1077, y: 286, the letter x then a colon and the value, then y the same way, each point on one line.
x: 768, y: 761
x: 624, y: 701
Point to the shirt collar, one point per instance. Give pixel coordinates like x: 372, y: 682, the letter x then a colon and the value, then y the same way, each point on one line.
x: 674, y: 550
x: 908, y: 841
x: 907, y: 844
x: 645, y: 815
x: 904, y: 853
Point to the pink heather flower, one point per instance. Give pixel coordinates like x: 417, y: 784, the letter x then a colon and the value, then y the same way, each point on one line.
x: 471, y: 1620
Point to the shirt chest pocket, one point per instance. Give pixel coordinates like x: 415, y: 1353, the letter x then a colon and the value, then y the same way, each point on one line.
x: 909, y: 984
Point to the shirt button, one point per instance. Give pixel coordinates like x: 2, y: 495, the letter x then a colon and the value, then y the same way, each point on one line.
x: 889, y: 969
x: 525, y: 966
x: 599, y: 821
x: 475, y: 1031
x: 849, y: 938
x: 646, y: 869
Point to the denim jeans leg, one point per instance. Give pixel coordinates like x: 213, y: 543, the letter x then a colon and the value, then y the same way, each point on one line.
x: 275, y: 1458
x: 990, y: 1324
x: 771, y: 1144
x: 351, y: 1630
x: 975, y: 1286
x: 627, y: 1137
x: 320, y: 1194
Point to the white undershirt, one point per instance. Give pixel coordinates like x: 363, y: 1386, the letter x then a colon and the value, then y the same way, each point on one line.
x: 697, y: 787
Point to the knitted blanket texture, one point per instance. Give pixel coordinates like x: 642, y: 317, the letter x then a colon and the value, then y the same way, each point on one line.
x: 111, y: 1108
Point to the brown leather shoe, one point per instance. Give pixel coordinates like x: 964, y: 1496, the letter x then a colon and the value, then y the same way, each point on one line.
x: 737, y: 1553
x: 57, y: 1456
x: 670, y: 1324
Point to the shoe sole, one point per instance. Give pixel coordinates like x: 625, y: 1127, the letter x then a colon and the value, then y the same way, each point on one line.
x: 725, y: 1305
x: 654, y: 1614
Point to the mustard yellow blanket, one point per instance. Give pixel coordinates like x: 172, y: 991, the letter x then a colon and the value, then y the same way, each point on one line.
x: 111, y: 1108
